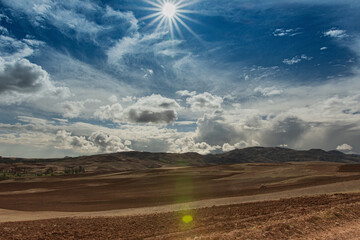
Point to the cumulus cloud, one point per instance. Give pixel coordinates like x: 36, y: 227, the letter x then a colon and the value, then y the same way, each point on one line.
x: 21, y: 80
x: 242, y: 144
x: 110, y: 112
x: 204, y: 102
x: 215, y: 130
x: 188, y: 144
x: 153, y: 109
x: 344, y: 147
x: 335, y: 33
x: 113, y: 99
x: 146, y: 116
x: 150, y: 109
x: 96, y: 142
x: 238, y: 131
x: 283, y: 130
x: 297, y: 59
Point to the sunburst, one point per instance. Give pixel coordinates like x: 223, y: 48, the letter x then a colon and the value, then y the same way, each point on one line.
x: 171, y: 14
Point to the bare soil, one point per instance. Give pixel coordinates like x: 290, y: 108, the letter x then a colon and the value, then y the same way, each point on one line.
x: 157, y: 187
x: 319, y: 217
x: 278, y: 201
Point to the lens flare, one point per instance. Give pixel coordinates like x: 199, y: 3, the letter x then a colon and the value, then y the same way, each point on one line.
x: 187, y: 219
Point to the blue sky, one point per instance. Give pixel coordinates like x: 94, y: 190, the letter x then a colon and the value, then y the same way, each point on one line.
x: 85, y: 77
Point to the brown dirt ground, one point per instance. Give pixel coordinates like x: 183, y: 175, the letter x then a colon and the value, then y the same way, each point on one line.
x: 319, y: 217
x: 316, y: 217
x: 163, y: 186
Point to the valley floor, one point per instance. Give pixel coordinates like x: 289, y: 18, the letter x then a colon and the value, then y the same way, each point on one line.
x: 243, y: 201
x: 317, y: 217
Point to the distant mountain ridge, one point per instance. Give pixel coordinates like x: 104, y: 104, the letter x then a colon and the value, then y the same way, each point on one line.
x: 123, y: 161
x: 277, y: 154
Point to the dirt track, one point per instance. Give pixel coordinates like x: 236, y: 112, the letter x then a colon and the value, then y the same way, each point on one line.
x: 320, y: 217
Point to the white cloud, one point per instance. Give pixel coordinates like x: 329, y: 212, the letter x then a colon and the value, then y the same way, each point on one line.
x: 67, y: 141
x: 3, y: 30
x: 128, y: 99
x: 21, y: 80
x: 150, y: 109
x: 76, y: 17
x: 281, y: 32
x: 73, y: 109
x: 153, y: 109
x: 344, y: 147
x: 186, y: 93
x: 268, y: 91
x: 297, y: 59
x: 110, y: 112
x: 216, y: 130
x: 18, y: 49
x: 204, y: 102
x: 335, y: 33
x: 113, y: 99
x: 242, y: 144
x: 133, y: 45
x: 96, y: 142
x: 128, y: 16
x: 188, y: 144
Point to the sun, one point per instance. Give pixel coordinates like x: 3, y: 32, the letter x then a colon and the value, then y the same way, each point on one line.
x: 169, y: 10
x: 171, y: 14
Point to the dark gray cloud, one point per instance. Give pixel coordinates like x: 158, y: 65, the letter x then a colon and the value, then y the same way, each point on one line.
x: 22, y: 76
x: 150, y: 109
x: 146, y: 116
x: 21, y: 79
x: 153, y: 109
x: 214, y: 130
x: 286, y: 131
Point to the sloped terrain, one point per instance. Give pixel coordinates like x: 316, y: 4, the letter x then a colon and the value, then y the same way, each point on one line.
x: 127, y: 161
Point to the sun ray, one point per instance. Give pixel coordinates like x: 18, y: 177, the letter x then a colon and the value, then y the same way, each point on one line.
x: 155, y: 20
x: 187, y: 4
x: 188, y: 28
x: 178, y: 29
x: 188, y: 18
x: 171, y: 28
x: 170, y: 14
x: 150, y: 16
x: 187, y: 11
x: 154, y: 3
x: 160, y: 24
x: 178, y: 3
x: 150, y: 9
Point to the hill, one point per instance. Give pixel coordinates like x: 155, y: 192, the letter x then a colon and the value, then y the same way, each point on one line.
x: 125, y: 161
x: 277, y: 154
